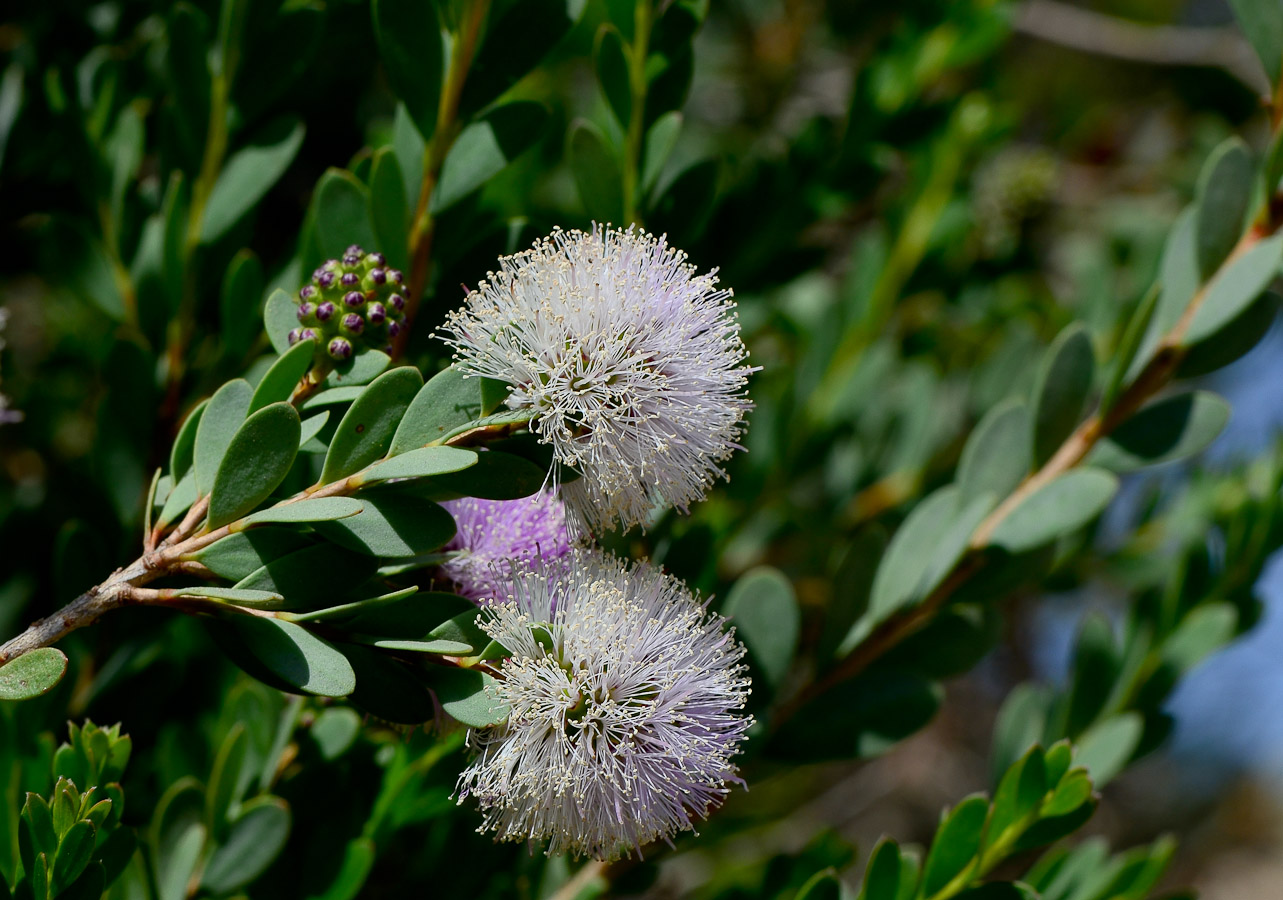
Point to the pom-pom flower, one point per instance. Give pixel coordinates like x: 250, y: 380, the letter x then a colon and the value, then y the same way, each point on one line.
x: 631, y: 363
x: 494, y: 533
x: 624, y: 701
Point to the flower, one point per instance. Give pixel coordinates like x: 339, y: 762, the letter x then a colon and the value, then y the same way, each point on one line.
x: 631, y: 363
x: 494, y: 533
x: 624, y: 701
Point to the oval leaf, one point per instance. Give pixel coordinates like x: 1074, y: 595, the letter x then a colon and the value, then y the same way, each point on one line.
x: 248, y: 175
x: 33, y: 673
x: 1063, y: 505
x: 393, y: 526
x: 1235, y: 287
x: 421, y: 463
x: 1224, y: 196
x: 956, y: 843
x: 448, y: 401
x: 764, y: 610
x: 223, y: 417
x: 256, y: 462
x: 1061, y: 389
x: 280, y: 317
x: 321, y: 509
x: 295, y: 655
x: 996, y: 456
x: 256, y: 838
x: 1170, y: 429
x: 366, y: 430
x: 279, y: 381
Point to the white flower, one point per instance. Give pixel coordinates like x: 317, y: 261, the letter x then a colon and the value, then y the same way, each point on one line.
x: 625, y: 702
x: 631, y: 362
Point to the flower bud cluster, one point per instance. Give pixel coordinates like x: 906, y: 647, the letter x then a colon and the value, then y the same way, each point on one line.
x: 350, y: 303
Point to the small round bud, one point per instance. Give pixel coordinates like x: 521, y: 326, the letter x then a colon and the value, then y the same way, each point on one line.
x: 353, y: 323
x: 394, y: 328
x: 376, y: 313
x: 354, y: 298
x: 378, y: 276
x: 350, y: 279
x: 307, y: 334
x: 324, y: 311
x: 325, y: 280
x: 394, y: 276
x: 340, y: 349
x: 397, y: 301
x: 375, y: 259
x: 354, y: 250
x: 306, y: 312
x: 293, y: 336
x: 306, y: 291
x: 351, y: 262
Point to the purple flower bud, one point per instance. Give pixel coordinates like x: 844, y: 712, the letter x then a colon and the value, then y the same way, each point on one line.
x: 376, y: 313
x: 394, y: 328
x: 353, y: 323
x: 375, y: 259
x: 351, y: 262
x: 317, y: 273
x: 354, y: 250
x: 394, y: 276
x: 307, y: 334
x: 293, y: 336
x: 326, y: 280
x: 354, y: 298
x: 378, y: 276
x: 324, y: 311
x: 397, y: 301
x: 340, y: 349
x: 306, y: 291
x: 350, y: 278
x: 306, y: 311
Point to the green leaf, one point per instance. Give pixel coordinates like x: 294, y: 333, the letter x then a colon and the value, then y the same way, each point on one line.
x: 393, y: 526
x: 388, y: 689
x: 882, y: 877
x: 1019, y: 726
x: 362, y: 368
x: 237, y: 555
x: 342, y: 208
x: 660, y: 141
x: 238, y: 596
x: 1019, y: 793
x: 32, y: 674
x: 280, y: 317
x: 1000, y: 890
x: 422, y: 463
x: 1262, y: 23
x: 223, y: 793
x: 310, y: 429
x: 389, y: 212
x: 1204, y: 631
x: 255, y: 840
x: 248, y: 175
x: 304, y: 575
x: 901, y: 569
x: 1129, y: 345
x: 181, y: 454
x: 1236, y: 286
x: 413, y: 54
x: 1224, y: 196
x: 596, y: 172
x: 611, y: 60
x: 462, y: 694
x: 1233, y: 340
x: 1065, y: 504
x: 764, y: 610
x: 278, y: 383
x: 222, y: 419
x: 687, y: 203
x: 1060, y: 390
x: 1072, y: 792
x: 91, y: 885
x: 1169, y: 429
x: 239, y: 306
x: 1104, y: 749
x: 852, y: 584
x: 518, y: 36
x: 320, y: 509
x: 358, y: 860
x: 294, y: 655
x: 405, y: 614
x: 332, y: 397
x: 177, y: 838
x: 486, y: 147
x: 823, y: 885
x: 956, y: 843
x: 447, y: 401
x: 367, y: 428
x: 256, y: 462
x: 494, y: 476
x: 996, y: 456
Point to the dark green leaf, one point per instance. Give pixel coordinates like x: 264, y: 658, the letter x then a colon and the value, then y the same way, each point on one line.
x: 91, y: 884
x: 447, y: 401
x: 248, y: 175
x: 389, y: 212
x: 393, y: 526
x: 1065, y: 504
x: 342, y: 207
x: 256, y: 462
x: 486, y: 147
x: 852, y: 584
x: 239, y: 308
x: 821, y: 886
x: 495, y: 476
x: 1169, y: 429
x: 222, y: 419
x: 882, y: 877
x: 294, y: 655
x: 237, y: 555
x: 1236, y: 286
x: 611, y: 58
x: 1096, y: 668
x: 177, y: 838
x: 1019, y: 793
x: 410, y: 45
x: 462, y: 694
x: 367, y: 428
x: 1105, y: 748
x: 1262, y: 23
x: 311, y: 573
x: 321, y: 509
x: 1060, y: 391
x: 223, y: 792
x: 1232, y: 341
x: 32, y: 674
x: 1128, y: 346
x: 407, y: 614
x: 279, y: 381
x: 596, y: 172
x: 255, y: 840
x: 956, y: 843
x: 180, y: 455
x: 1224, y: 195
x: 764, y: 611
x: 358, y: 860
x: 421, y: 463
x: 661, y: 138
x: 996, y: 456
x: 518, y: 36
x: 387, y: 688
x: 280, y: 317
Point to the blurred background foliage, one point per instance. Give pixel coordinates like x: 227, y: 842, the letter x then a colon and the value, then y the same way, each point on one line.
x: 911, y: 201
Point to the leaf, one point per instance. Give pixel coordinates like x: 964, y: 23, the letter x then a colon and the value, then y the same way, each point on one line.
x: 332, y: 397
x: 1236, y: 286
x: 494, y: 476
x: 320, y: 509
x: 1104, y: 749
x: 996, y: 456
x: 181, y: 454
x: 393, y: 526
x: 1000, y: 890
x: 180, y: 499
x: 358, y: 860
x: 518, y: 36
x: 901, y: 569
x: 1019, y: 792
x: 238, y: 596
x: 823, y: 885
x: 365, y: 433
x: 852, y: 584
x: 304, y: 575
x: 362, y: 368
x: 486, y: 147
x: 462, y: 694
x: 280, y: 317
x: 1204, y: 631
x: 238, y: 308
x: 661, y: 138
x: 222, y: 419
x: 256, y: 462
x: 387, y: 688
x: 334, y: 731
x: 248, y: 176
x: 1065, y: 504
x: 1019, y: 726
x: 74, y: 851
x: 389, y: 212
x: 342, y: 207
x: 1169, y: 429
x: 1224, y: 196
x: 447, y: 401
x: 882, y: 877
x: 1060, y: 390
x: 91, y: 884
x: 421, y: 463
x: 310, y: 429
x: 412, y: 51
x: 596, y: 172
x: 764, y: 610
x: 407, y: 613
x: 223, y: 793
x: 33, y: 673
x: 256, y: 838
x: 687, y: 204
x: 1262, y: 23
x: 1232, y: 341
x: 956, y: 843
x: 237, y: 555
x: 294, y: 655
x: 177, y: 838
x: 1124, y: 356
x: 611, y: 60
x: 279, y: 381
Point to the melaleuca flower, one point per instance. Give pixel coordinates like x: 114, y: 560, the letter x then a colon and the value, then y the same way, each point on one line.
x: 624, y: 701
x: 494, y: 533
x: 631, y: 363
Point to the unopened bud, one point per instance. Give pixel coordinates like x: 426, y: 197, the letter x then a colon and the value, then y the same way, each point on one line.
x: 340, y: 349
